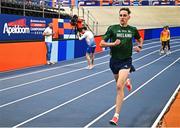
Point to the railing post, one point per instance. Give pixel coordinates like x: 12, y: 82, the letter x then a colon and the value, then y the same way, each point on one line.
x: 78, y: 9
x: 96, y: 28
x: 91, y: 22
x: 93, y: 26
x: 0, y: 6
x: 71, y: 9
x: 88, y: 18
x: 24, y: 8
x: 59, y: 7
x: 43, y: 8
x: 83, y: 12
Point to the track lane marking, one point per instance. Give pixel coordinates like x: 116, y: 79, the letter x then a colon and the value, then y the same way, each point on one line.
x: 92, y: 122
x: 45, y: 78
x: 16, y: 76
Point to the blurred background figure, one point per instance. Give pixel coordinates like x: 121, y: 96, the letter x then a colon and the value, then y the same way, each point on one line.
x: 88, y: 35
x: 164, y: 37
x: 168, y: 41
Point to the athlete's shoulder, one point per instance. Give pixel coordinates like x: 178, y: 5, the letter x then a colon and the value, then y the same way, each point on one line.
x: 132, y: 27
x: 113, y: 26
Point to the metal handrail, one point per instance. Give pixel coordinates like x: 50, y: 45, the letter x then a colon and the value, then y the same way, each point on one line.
x: 91, y: 22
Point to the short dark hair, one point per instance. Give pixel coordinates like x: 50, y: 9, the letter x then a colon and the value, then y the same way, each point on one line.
x: 125, y: 9
x: 85, y: 28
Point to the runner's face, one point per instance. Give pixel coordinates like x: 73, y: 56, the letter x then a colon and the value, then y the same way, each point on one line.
x: 124, y: 17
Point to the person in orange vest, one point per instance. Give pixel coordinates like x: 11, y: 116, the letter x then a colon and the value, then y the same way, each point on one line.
x: 164, y: 37
x: 168, y: 41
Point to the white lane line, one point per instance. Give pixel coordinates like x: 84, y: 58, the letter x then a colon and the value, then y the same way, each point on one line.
x: 47, y: 90
x: 165, y: 108
x: 110, y: 109
x: 62, y: 85
x: 69, y: 101
x: 155, y: 42
x: 15, y: 101
x: 144, y: 49
x: 49, y: 69
x: 45, y: 78
x: 21, y: 75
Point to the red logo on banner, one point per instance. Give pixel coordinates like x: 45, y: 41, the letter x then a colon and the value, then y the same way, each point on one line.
x: 37, y: 25
x: 20, y: 23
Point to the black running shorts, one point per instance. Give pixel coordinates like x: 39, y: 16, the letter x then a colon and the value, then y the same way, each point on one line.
x: 118, y: 64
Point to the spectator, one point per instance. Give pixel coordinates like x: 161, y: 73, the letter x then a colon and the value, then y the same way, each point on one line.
x: 88, y: 35
x: 48, y: 33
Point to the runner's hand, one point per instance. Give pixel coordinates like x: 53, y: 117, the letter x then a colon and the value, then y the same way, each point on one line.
x: 137, y: 49
x: 117, y: 42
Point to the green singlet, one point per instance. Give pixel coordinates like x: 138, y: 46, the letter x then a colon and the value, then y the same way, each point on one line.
x: 125, y: 35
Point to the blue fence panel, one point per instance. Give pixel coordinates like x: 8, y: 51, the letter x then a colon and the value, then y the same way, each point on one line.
x: 70, y: 49
x: 80, y: 48
x: 155, y: 33
x: 62, y: 50
x: 175, y: 31
x: 152, y: 33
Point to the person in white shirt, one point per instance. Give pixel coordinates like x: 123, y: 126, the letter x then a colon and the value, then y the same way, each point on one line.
x: 88, y: 35
x: 48, y: 33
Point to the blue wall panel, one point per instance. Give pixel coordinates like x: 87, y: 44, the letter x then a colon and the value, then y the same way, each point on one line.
x: 69, y: 31
x: 175, y: 31
x: 66, y: 20
x: 60, y: 25
x: 62, y: 50
x: 155, y: 33
x: 80, y: 48
x: 70, y: 49
x: 152, y: 33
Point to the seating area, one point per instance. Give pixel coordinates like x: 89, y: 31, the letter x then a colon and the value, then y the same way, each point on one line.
x: 18, y: 7
x: 142, y: 16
